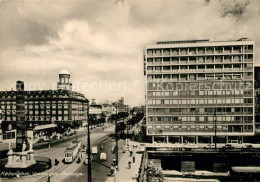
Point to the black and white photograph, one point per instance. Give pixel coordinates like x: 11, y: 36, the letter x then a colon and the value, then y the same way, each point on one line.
x: 129, y: 90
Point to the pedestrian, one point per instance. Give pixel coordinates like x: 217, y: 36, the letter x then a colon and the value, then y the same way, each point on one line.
x: 131, y: 153
x: 49, y: 178
x: 133, y: 158
x: 82, y: 155
x: 129, y: 164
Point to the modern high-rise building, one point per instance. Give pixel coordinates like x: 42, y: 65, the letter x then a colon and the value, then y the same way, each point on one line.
x: 257, y: 100
x: 198, y: 89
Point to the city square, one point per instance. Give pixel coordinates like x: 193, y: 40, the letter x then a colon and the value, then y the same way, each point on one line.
x: 129, y: 91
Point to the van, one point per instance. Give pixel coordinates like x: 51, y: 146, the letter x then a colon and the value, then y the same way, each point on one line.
x: 103, y: 156
x: 94, y: 150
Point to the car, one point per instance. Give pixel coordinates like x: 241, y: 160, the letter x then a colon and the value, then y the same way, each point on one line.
x: 83, y: 148
x: 228, y: 146
x: 55, y: 137
x: 103, y: 156
x: 94, y: 150
x: 40, y: 140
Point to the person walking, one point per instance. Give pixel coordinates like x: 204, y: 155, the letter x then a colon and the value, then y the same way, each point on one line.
x: 133, y: 158
x: 129, y: 164
x: 49, y: 178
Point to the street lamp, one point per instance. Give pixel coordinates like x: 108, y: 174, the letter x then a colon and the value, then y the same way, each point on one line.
x: 89, y: 159
x: 116, y: 138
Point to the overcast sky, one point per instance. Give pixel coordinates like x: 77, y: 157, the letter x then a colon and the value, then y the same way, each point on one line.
x: 101, y: 42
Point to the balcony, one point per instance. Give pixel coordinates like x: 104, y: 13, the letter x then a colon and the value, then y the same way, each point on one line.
x: 175, y: 53
x: 248, y: 51
x: 166, y: 71
x: 237, y: 60
x: 236, y: 51
x: 248, y: 60
x: 166, y: 53
x: 157, y: 71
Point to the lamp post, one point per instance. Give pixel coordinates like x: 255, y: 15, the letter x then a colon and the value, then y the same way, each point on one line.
x: 89, y: 159
x: 116, y: 138
x: 215, y: 128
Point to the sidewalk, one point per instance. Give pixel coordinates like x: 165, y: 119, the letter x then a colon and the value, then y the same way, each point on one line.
x: 125, y: 174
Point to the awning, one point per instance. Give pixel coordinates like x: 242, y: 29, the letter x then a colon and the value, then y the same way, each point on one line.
x: 46, y: 126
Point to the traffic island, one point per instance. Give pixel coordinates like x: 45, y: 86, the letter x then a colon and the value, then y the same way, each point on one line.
x: 41, y: 164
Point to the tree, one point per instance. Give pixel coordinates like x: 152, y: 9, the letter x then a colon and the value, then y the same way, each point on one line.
x: 92, y: 120
x: 121, y: 127
x: 102, y: 118
x: 113, y: 117
x: 153, y: 174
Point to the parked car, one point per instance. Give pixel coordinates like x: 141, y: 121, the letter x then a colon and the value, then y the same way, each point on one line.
x: 228, y: 146
x: 103, y: 156
x: 40, y: 140
x: 55, y: 137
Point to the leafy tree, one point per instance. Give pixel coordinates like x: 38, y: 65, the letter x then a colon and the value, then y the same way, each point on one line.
x: 121, y: 127
x: 113, y: 117
x: 92, y: 119
x: 102, y: 118
x: 153, y: 174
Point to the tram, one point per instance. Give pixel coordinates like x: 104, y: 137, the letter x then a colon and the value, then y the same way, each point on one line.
x: 71, y: 152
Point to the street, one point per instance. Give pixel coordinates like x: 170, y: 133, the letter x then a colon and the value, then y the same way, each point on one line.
x: 63, y: 171
x: 99, y: 171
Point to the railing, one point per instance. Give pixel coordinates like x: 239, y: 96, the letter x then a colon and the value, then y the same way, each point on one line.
x: 142, y: 176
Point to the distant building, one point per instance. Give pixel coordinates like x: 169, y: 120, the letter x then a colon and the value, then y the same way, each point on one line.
x: 107, y: 109
x: 194, y: 83
x: 95, y: 108
x: 44, y: 108
x: 120, y: 106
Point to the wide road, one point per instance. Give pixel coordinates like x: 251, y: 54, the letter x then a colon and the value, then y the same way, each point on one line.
x: 100, y: 169
x: 56, y: 151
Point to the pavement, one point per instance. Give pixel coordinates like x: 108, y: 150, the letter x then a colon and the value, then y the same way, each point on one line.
x: 124, y: 174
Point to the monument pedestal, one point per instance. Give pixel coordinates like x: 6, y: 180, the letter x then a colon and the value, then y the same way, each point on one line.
x: 20, y: 159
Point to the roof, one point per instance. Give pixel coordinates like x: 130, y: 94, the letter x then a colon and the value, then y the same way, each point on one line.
x: 64, y: 72
x: 95, y: 106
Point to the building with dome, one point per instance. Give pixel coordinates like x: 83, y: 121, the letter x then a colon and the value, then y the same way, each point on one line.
x: 44, y: 109
x: 64, y: 80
